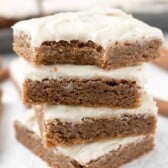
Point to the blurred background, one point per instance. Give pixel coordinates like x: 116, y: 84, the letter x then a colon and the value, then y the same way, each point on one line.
x: 153, y: 12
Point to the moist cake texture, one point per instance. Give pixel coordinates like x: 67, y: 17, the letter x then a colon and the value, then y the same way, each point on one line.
x: 75, y: 124
x: 108, y: 154
x: 108, y: 38
x: 92, y: 92
x: 80, y: 85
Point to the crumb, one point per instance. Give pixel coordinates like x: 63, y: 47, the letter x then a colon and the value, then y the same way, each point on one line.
x: 55, y: 68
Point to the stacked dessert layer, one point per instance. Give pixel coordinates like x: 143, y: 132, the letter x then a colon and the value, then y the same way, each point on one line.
x: 77, y: 124
x: 103, y: 37
x: 107, y: 153
x: 81, y: 85
x: 81, y: 73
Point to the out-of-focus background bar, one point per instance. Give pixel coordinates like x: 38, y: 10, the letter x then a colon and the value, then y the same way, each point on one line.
x: 153, y: 12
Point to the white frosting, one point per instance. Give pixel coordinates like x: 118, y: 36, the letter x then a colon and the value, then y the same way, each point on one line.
x: 16, y: 72
x: 17, y: 9
x: 22, y: 70
x: 79, y: 113
x: 29, y: 120
x: 84, y: 153
x: 101, y: 25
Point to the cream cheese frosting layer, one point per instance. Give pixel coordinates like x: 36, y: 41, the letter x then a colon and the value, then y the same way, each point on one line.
x: 101, y: 25
x: 84, y: 153
x: 23, y: 70
x: 79, y: 113
x: 16, y: 72
x: 30, y: 121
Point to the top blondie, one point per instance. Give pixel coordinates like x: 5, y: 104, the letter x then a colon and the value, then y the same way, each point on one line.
x: 106, y: 37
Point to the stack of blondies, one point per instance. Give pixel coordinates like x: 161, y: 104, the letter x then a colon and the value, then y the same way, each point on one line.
x: 82, y: 75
